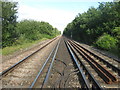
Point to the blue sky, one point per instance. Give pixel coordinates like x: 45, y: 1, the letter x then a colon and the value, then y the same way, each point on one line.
x: 57, y: 12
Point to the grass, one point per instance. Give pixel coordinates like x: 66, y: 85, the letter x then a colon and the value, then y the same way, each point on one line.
x: 14, y: 48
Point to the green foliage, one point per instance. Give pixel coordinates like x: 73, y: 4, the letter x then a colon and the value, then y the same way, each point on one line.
x: 116, y: 33
x: 30, y: 30
x: 106, y: 42
x: 15, y: 48
x: 15, y: 33
x: 9, y: 10
x: 89, y: 26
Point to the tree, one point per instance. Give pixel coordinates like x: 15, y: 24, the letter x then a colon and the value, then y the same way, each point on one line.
x: 116, y: 33
x: 89, y: 26
x: 9, y: 10
x: 30, y: 30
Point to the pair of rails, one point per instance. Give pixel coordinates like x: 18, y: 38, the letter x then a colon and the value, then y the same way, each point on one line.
x: 72, y: 47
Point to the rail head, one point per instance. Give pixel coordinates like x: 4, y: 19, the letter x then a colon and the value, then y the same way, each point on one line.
x: 78, y: 65
x: 10, y: 68
x: 97, y: 85
x: 49, y: 70
x: 101, y: 59
x: 40, y: 71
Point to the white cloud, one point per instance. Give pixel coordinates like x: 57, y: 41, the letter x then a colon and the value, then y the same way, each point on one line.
x: 64, y: 0
x: 59, y: 18
x: 56, y: 17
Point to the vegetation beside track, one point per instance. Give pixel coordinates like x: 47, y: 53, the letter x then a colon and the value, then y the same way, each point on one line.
x: 15, y: 48
x: 99, y: 27
x: 21, y: 34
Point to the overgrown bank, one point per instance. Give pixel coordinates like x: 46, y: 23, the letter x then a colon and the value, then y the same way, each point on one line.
x: 99, y: 27
x: 17, y: 35
x: 20, y: 47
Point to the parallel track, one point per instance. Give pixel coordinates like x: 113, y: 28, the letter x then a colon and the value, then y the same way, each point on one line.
x: 86, y: 83
x: 81, y: 66
x: 39, y: 81
x: 76, y: 51
x: 107, y: 76
x: 115, y: 68
x: 24, y: 59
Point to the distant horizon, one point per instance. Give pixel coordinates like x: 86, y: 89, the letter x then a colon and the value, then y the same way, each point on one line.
x: 57, y: 13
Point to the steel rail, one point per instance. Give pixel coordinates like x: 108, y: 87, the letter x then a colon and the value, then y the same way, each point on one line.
x: 101, y: 59
x: 53, y: 59
x: 117, y: 60
x: 10, y: 68
x: 94, y: 64
x: 101, y: 74
x: 103, y: 69
x: 40, y: 71
x: 95, y: 85
x: 78, y: 65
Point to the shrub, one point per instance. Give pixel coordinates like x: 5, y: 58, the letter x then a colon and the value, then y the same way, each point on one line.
x: 106, y: 42
x: 116, y: 33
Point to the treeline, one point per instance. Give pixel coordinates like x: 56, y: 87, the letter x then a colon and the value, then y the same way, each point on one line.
x: 98, y: 26
x: 30, y: 30
x: 14, y: 32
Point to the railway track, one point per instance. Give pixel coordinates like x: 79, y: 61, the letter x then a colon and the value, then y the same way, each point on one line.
x: 18, y: 73
x: 21, y: 61
x: 67, y: 65
x: 100, y: 70
x: 45, y: 79
x: 83, y: 70
x: 113, y: 64
x: 64, y: 74
x: 57, y: 71
x: 43, y: 75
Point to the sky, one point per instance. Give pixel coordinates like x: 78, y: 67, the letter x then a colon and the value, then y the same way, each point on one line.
x: 58, y: 13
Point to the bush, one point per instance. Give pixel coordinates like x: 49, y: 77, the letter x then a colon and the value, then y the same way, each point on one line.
x: 106, y: 42
x: 116, y: 33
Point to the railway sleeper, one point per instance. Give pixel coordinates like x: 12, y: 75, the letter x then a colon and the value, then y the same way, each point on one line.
x: 114, y: 68
x: 112, y: 77
x: 90, y: 76
x: 86, y: 83
x: 101, y: 73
